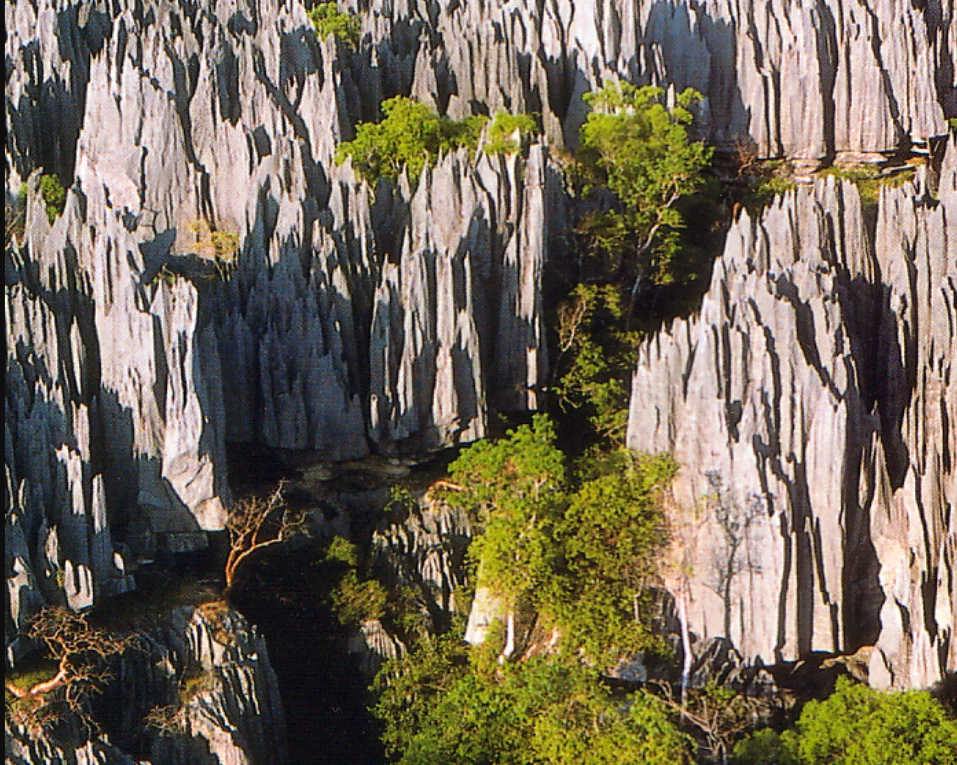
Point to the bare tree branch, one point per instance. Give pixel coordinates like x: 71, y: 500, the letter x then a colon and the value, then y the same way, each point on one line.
x: 82, y: 653
x: 254, y: 524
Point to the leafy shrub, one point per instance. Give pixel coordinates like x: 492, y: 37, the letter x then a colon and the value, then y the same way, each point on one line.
x: 764, y: 182
x: 610, y: 536
x: 516, y: 485
x: 640, y: 150
x: 537, y: 712
x: 356, y: 600
x: 410, y: 136
x: 354, y: 594
x: 410, y: 686
x: 583, y: 557
x: 54, y: 196
x: 502, y: 132
x: 329, y: 20
x: 215, y: 245
x: 764, y: 747
x: 597, y: 357
x: 857, y: 725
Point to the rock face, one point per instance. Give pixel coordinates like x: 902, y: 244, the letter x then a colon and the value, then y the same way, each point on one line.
x: 805, y: 80
x: 811, y: 404
x: 209, y: 669
x: 216, y: 276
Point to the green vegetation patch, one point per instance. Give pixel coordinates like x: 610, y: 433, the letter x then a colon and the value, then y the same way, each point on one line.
x: 410, y: 136
x: 536, y: 712
x: 327, y: 20
x: 54, y: 196
x: 869, y: 180
x: 640, y: 150
x: 764, y: 181
x: 28, y: 674
x: 597, y: 356
x: 857, y: 725
x: 581, y: 551
x: 507, y: 132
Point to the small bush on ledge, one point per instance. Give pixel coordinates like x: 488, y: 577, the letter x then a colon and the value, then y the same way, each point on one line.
x: 502, y: 132
x: 219, y: 247
x: 54, y: 196
x: 329, y: 20
x: 410, y: 136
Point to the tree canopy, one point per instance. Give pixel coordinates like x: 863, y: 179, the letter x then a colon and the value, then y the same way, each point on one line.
x: 639, y: 148
x: 410, y: 136
x: 327, y: 20
x: 857, y: 725
x: 531, y: 713
x: 581, y: 551
x: 505, y: 128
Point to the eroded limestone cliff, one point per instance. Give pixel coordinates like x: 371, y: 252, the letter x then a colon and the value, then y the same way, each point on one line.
x: 206, y: 671
x: 342, y: 324
x: 811, y: 403
x: 216, y: 277
x: 804, y: 80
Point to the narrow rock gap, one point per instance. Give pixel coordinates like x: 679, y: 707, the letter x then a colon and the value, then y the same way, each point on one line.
x: 284, y: 592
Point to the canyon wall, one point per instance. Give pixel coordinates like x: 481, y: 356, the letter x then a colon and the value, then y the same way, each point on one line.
x: 207, y: 671
x: 216, y: 277
x: 806, y: 80
x: 332, y: 321
x: 811, y: 404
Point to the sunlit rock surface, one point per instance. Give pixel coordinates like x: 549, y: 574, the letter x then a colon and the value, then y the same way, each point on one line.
x: 799, y: 79
x: 811, y: 403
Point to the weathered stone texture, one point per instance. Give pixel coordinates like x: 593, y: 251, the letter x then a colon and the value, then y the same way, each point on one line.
x: 209, y: 665
x: 799, y: 79
x: 330, y: 324
x: 810, y: 403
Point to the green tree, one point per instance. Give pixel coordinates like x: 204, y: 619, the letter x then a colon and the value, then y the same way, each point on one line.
x: 597, y: 356
x: 410, y: 136
x: 410, y: 686
x: 516, y: 485
x: 54, y: 196
x: 639, y: 149
x: 355, y: 595
x: 508, y: 131
x: 583, y: 558
x: 540, y: 712
x: 857, y: 725
x: 610, y: 537
x: 327, y: 20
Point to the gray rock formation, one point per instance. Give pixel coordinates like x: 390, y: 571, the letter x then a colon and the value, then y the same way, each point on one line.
x: 209, y: 670
x: 425, y: 550
x: 805, y: 80
x: 216, y: 277
x: 420, y: 552
x: 810, y: 404
x: 136, y: 348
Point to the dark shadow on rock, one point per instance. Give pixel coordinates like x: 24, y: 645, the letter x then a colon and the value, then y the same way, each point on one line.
x: 324, y: 693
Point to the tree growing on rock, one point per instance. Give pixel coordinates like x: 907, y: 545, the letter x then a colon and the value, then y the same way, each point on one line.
x: 255, y: 524
x: 410, y: 136
x: 81, y: 655
x: 639, y: 149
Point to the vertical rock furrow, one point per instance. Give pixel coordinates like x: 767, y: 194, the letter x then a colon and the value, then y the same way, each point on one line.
x: 811, y: 404
x: 216, y: 276
x: 208, y: 670
x: 804, y: 80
